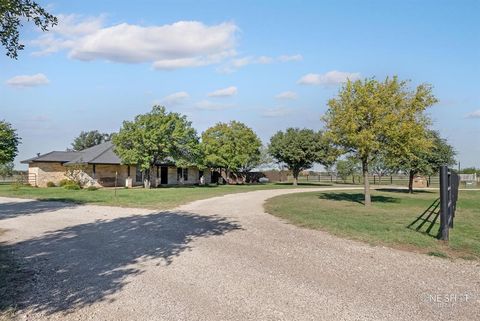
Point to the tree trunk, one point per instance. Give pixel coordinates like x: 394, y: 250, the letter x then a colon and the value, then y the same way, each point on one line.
x: 366, y: 183
x: 295, y: 177
x: 410, y: 181
x: 146, y: 179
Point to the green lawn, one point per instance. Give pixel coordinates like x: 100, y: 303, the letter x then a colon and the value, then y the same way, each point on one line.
x: 343, y: 214
x: 157, y: 198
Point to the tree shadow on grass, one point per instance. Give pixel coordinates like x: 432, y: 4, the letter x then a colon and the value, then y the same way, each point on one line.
x: 14, y: 209
x: 84, y: 264
x: 357, y: 197
x: 403, y: 190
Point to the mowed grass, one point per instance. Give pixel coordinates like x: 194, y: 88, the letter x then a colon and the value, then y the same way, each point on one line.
x: 156, y: 198
x: 386, y: 221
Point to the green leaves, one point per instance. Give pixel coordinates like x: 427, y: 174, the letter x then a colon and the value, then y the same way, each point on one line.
x: 12, y: 13
x: 232, y: 146
x: 90, y: 139
x: 300, y: 148
x: 154, y: 137
x: 370, y: 118
x: 9, y: 141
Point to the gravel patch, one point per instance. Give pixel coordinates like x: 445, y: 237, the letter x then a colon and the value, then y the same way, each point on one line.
x: 222, y: 258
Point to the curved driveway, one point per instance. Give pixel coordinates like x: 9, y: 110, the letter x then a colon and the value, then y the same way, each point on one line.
x: 220, y: 259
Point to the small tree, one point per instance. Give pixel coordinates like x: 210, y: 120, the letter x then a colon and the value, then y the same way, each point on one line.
x: 12, y: 14
x: 9, y: 141
x: 381, y: 166
x: 348, y: 167
x: 427, y: 161
x: 299, y: 149
x: 370, y: 117
x: 89, y: 139
x: 6, y: 170
x: 154, y: 136
x: 232, y: 146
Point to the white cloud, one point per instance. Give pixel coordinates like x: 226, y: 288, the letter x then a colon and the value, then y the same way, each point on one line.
x: 208, y: 105
x: 178, y: 45
x: 287, y: 95
x: 286, y: 58
x: 28, y: 80
x: 277, y: 112
x: 238, y: 63
x: 475, y: 114
x: 175, y: 98
x: 333, y: 77
x: 225, y: 92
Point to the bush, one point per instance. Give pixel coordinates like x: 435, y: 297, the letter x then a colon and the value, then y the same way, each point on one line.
x: 65, y: 181
x: 92, y: 188
x: 51, y: 184
x: 72, y: 186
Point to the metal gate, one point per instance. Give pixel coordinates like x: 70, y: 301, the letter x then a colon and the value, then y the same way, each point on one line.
x: 449, y: 181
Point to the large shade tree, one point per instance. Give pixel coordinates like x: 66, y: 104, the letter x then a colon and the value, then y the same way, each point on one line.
x: 233, y: 147
x: 88, y: 139
x: 9, y: 141
x: 154, y: 137
x: 300, y: 148
x: 13, y: 13
x: 370, y: 117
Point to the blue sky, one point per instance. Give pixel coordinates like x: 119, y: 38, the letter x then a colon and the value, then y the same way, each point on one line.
x: 270, y: 64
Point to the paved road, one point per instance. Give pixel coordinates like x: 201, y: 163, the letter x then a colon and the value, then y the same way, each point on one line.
x: 220, y: 259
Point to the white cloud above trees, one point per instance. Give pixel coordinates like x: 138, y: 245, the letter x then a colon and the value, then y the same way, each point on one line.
x: 224, y: 92
x: 237, y: 63
x: 475, y: 114
x: 23, y: 81
x: 171, y: 46
x: 333, y: 77
x: 287, y: 95
x: 175, y: 98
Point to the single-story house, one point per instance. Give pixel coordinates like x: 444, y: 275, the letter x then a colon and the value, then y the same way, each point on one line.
x: 103, y: 168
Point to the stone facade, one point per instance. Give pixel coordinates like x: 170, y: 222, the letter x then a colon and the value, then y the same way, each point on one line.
x: 40, y: 173
x: 100, y: 175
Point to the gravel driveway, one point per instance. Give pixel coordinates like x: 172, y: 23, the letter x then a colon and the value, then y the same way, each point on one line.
x: 220, y: 259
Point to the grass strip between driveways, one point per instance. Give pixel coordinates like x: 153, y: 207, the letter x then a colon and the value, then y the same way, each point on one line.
x: 387, y: 221
x: 156, y: 198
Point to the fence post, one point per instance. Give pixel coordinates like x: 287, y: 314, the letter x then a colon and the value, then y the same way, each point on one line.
x: 444, y: 208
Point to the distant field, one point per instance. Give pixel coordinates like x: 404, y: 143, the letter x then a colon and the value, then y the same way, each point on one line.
x: 157, y: 198
x: 385, y: 223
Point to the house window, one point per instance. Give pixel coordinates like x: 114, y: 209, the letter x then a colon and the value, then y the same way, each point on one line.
x: 138, y: 174
x: 182, y: 173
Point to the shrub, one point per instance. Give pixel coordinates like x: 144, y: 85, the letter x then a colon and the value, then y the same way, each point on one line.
x: 51, y: 184
x: 72, y: 186
x: 66, y: 181
x: 92, y: 188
